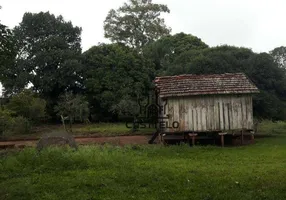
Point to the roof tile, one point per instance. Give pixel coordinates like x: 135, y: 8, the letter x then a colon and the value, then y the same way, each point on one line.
x: 190, y: 84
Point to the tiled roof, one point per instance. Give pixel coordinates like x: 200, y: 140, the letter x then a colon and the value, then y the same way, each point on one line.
x: 189, y: 84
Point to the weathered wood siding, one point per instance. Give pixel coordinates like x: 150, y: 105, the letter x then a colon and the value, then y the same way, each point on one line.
x: 210, y: 113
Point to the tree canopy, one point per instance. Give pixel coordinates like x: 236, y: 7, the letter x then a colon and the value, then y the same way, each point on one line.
x: 44, y: 52
x: 279, y: 56
x: 7, y: 50
x: 165, y: 50
x: 48, y: 49
x: 260, y: 68
x: 136, y: 23
x: 113, y: 71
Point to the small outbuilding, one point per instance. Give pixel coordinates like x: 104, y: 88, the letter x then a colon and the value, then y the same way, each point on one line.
x: 215, y: 103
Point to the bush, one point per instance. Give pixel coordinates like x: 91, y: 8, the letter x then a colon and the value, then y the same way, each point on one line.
x: 26, y: 105
x: 13, y: 125
x: 6, y: 121
x: 74, y: 107
x: 21, y: 125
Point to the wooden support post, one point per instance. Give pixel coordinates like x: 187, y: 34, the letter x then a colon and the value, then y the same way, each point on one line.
x: 222, y: 138
x: 241, y: 137
x: 193, y: 140
x: 160, y: 138
x: 193, y: 135
x: 252, y: 136
x: 163, y: 141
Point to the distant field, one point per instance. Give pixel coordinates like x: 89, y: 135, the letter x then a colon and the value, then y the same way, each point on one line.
x: 272, y: 128
x: 111, y: 129
x: 149, y: 172
x: 266, y: 128
x: 93, y: 129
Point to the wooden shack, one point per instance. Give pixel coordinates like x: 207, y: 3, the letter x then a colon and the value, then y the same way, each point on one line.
x: 213, y: 103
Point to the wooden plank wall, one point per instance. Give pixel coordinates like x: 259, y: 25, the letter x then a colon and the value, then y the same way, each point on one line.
x: 210, y: 113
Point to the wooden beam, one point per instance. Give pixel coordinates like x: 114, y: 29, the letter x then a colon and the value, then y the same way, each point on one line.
x: 222, y: 138
x: 188, y: 139
x: 252, y: 136
x: 241, y: 137
x: 193, y: 136
x: 162, y: 138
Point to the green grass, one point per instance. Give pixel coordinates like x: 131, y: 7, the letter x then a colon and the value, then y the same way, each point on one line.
x: 149, y: 172
x: 116, y: 129
x: 93, y: 129
x: 110, y: 129
x: 269, y: 128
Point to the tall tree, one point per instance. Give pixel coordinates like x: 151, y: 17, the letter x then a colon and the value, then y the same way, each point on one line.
x: 112, y: 72
x: 136, y: 23
x: 260, y: 68
x: 163, y: 51
x: 48, y: 55
x: 7, y: 50
x: 279, y: 55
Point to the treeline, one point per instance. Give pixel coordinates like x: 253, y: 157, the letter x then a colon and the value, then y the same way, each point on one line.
x: 44, y: 53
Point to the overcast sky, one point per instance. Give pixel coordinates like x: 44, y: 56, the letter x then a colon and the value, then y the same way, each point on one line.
x: 256, y: 24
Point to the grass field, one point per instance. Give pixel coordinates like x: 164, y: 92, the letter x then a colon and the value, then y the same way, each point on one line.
x: 272, y: 128
x: 116, y: 129
x: 111, y: 129
x: 92, y: 129
x: 149, y: 172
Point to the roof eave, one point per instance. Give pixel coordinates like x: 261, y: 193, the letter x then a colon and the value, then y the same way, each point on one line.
x: 205, y: 94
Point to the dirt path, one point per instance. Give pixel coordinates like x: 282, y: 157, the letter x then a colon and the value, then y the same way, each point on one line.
x: 118, y: 140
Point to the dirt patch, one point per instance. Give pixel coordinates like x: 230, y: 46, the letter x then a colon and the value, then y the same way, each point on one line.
x: 118, y: 140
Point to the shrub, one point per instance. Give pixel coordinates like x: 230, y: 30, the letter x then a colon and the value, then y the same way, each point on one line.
x: 72, y: 107
x: 6, y: 121
x: 27, y: 105
x: 21, y: 125
x: 13, y: 125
